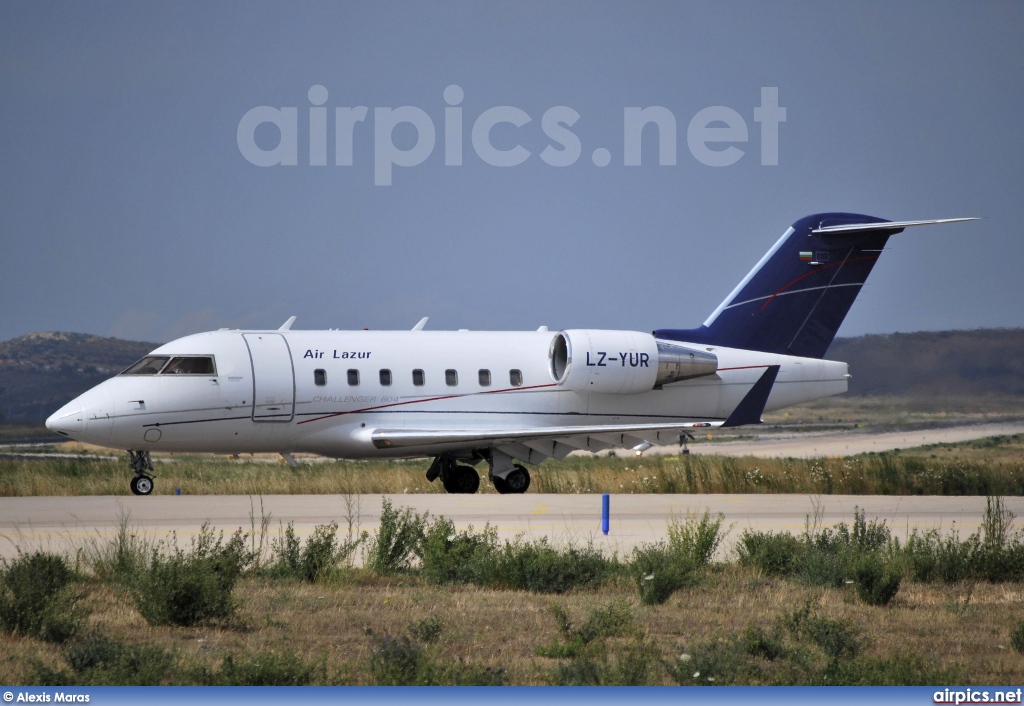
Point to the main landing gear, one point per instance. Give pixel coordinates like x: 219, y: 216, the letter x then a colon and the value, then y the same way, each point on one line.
x: 454, y: 478
x: 142, y: 483
x: 461, y: 479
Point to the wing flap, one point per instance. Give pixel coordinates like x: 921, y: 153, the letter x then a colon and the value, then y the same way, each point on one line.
x: 537, y: 440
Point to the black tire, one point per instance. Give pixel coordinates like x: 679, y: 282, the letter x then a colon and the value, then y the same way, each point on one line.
x: 462, y: 480
x: 500, y: 485
x: 517, y: 482
x: 142, y: 485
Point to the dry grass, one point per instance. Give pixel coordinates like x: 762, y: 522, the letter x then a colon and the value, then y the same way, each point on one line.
x: 991, y: 466
x: 501, y: 629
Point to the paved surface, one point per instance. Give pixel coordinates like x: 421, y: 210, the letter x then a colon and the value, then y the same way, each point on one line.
x: 839, y: 443
x: 64, y: 524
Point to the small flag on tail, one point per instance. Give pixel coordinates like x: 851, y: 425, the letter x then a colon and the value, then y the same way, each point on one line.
x: 806, y: 256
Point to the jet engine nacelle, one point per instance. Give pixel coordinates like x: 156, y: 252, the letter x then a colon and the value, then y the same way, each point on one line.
x: 622, y: 362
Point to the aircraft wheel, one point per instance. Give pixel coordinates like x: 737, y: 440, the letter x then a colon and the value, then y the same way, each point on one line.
x: 500, y: 485
x: 142, y: 485
x: 462, y: 480
x: 516, y: 482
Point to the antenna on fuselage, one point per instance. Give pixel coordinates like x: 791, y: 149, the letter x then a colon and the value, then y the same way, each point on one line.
x: 287, y: 325
x: 422, y: 322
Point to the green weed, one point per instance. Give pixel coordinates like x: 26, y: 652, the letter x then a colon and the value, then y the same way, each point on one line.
x: 36, y: 598
x: 321, y: 557
x: 398, y: 542
x: 101, y: 661
x: 192, y: 588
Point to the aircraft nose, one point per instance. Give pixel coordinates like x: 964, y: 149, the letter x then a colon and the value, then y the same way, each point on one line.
x: 68, y: 420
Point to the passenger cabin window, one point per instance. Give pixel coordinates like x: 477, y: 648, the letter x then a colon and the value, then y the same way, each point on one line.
x: 515, y: 378
x: 485, y: 378
x: 320, y: 377
x: 417, y: 377
x: 178, y: 365
x: 353, y: 377
x: 451, y: 378
x: 385, y: 378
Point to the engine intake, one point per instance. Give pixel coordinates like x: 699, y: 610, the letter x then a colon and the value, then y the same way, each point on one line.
x: 622, y: 362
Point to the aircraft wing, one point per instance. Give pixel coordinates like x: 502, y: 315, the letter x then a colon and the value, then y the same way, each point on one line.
x: 533, y: 445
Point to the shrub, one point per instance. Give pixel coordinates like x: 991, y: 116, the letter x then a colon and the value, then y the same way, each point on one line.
x: 614, y: 620
x: 461, y: 673
x: 398, y: 661
x: 774, y: 554
x: 121, y: 560
x: 757, y: 643
x: 635, y: 664
x: 715, y: 662
x: 100, y: 661
x: 588, y: 652
x: 838, y: 639
x: 459, y: 557
x: 427, y: 630
x: 398, y: 542
x: 195, y: 587
x: 40, y: 602
x: 264, y: 669
x: 920, y: 557
x: 581, y: 672
x: 696, y: 538
x: 658, y: 572
x: 900, y: 669
x: 477, y: 558
x: 877, y: 583
x: 322, y: 556
x: 1017, y: 637
x: 539, y: 567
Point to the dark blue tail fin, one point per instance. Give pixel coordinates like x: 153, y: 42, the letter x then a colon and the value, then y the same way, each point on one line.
x: 797, y: 296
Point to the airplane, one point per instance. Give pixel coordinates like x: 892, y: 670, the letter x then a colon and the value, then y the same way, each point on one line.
x: 509, y: 399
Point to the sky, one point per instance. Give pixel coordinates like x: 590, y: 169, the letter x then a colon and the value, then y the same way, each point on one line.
x: 178, y: 167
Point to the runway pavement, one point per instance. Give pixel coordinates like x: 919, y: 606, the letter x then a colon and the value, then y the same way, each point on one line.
x: 65, y: 524
x: 848, y: 442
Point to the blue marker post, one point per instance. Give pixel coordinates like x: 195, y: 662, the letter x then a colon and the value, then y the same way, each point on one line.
x: 605, y: 503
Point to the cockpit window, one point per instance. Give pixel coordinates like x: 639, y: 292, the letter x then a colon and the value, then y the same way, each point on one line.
x: 178, y: 365
x: 190, y: 365
x: 150, y: 365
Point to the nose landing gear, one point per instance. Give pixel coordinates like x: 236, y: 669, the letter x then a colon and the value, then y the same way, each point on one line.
x: 142, y: 483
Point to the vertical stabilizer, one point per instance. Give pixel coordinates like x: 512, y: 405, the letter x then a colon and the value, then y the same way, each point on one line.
x: 795, y: 299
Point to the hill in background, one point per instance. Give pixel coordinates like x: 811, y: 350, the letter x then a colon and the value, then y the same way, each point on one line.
x: 40, y: 372
x: 935, y: 364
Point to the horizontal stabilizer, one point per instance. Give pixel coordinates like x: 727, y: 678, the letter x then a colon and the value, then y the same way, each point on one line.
x: 751, y: 407
x: 885, y: 225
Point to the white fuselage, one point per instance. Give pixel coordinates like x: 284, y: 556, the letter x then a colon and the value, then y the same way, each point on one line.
x: 266, y: 393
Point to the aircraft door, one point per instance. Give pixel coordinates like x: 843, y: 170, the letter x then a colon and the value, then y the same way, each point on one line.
x: 273, y: 377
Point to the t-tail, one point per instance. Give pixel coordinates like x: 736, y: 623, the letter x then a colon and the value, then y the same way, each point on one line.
x: 795, y: 299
